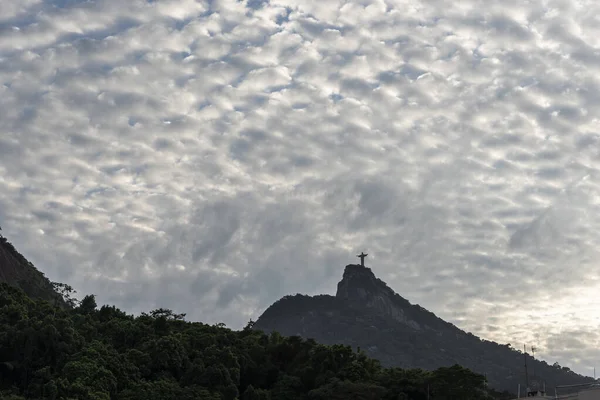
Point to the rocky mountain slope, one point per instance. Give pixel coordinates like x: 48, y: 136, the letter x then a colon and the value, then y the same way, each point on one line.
x: 17, y: 271
x: 366, y: 313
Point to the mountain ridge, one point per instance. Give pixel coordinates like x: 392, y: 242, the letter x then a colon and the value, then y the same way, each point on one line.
x: 368, y: 314
x: 17, y: 271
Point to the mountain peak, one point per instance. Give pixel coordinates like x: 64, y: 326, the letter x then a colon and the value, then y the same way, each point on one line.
x: 360, y: 287
x: 359, y: 283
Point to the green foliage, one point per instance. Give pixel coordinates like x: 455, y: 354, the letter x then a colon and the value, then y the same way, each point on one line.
x: 347, y: 390
x: 457, y: 382
x: 255, y: 394
x: 66, y: 292
x: 82, y: 352
x: 87, y: 305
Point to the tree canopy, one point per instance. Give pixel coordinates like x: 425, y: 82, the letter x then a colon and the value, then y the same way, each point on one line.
x: 90, y: 353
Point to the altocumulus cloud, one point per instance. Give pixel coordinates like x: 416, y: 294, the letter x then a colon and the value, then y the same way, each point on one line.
x: 212, y: 156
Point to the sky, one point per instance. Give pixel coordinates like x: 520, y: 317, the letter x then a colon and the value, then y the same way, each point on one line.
x: 213, y: 156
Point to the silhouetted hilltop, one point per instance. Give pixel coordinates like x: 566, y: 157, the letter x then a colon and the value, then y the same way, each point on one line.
x: 366, y: 313
x: 361, y: 288
x: 17, y: 271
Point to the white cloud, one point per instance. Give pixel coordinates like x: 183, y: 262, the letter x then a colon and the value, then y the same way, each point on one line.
x: 214, y: 156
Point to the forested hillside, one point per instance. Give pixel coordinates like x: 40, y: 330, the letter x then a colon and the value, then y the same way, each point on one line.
x: 47, y: 352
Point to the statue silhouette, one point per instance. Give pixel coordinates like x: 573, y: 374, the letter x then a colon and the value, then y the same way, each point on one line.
x: 362, y: 256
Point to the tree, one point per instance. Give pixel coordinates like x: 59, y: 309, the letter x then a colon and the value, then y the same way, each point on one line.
x: 249, y: 325
x: 88, y: 304
x: 255, y: 394
x: 167, y: 314
x: 86, y: 379
x: 457, y: 383
x: 66, y: 292
x: 346, y: 390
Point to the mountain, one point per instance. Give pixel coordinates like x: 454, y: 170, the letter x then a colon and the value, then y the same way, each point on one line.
x: 75, y: 350
x: 17, y: 271
x: 367, y: 314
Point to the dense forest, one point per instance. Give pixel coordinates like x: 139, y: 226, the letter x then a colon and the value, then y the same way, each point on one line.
x: 48, y: 351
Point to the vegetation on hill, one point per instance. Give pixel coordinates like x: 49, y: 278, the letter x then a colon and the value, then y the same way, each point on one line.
x: 86, y: 352
x: 332, y: 320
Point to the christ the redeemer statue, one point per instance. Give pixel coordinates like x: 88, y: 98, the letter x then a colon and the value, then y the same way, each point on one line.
x: 362, y: 258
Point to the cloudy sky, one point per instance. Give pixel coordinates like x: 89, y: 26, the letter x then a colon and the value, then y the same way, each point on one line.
x: 213, y: 156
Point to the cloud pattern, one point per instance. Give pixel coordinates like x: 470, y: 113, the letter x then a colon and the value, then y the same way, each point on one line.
x: 212, y: 156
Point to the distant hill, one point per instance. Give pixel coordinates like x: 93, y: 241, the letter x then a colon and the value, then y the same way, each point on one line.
x: 366, y: 313
x: 17, y: 271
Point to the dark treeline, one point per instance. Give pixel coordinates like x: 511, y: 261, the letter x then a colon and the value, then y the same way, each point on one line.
x: 85, y: 352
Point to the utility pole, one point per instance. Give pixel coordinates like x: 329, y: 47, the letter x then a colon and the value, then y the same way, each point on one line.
x: 533, y: 361
x: 526, y: 373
